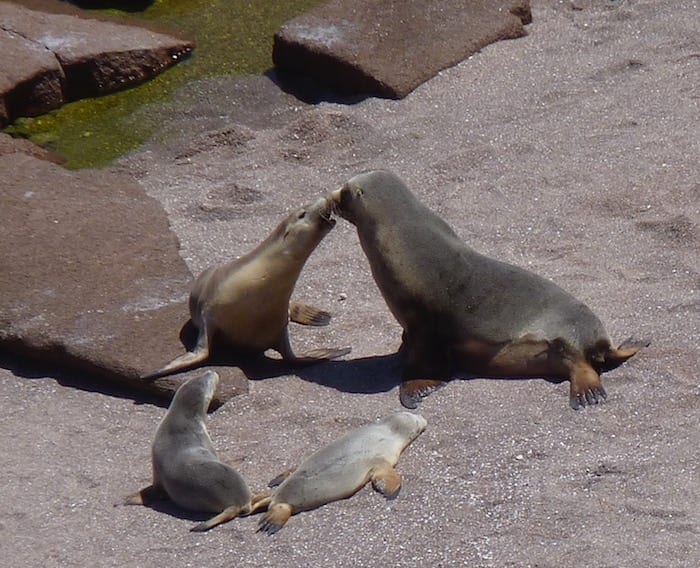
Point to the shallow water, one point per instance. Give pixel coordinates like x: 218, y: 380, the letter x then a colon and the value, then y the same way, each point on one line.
x: 233, y: 37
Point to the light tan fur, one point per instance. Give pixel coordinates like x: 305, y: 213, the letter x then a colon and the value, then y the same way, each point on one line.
x: 340, y: 469
x: 245, y: 305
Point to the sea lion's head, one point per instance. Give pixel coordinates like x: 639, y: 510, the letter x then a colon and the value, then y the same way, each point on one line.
x: 194, y: 396
x: 373, y: 195
x: 406, y: 424
x: 304, y: 228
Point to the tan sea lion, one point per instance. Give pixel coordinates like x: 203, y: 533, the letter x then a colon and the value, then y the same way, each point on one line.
x: 186, y: 468
x: 245, y: 304
x: 342, y: 468
x: 462, y: 311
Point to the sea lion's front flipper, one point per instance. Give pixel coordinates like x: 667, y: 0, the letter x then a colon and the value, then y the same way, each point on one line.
x: 305, y: 314
x: 146, y: 496
x: 585, y: 388
x: 284, y: 348
x: 226, y: 515
x: 630, y: 346
x: 386, y: 480
x: 321, y: 354
x: 413, y: 391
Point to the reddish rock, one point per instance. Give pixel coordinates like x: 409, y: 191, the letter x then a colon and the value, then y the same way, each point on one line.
x: 90, y: 276
x: 388, y: 48
x: 92, y: 57
x: 31, y: 79
x: 10, y: 145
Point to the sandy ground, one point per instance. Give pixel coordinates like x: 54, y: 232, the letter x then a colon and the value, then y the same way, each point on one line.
x: 573, y: 152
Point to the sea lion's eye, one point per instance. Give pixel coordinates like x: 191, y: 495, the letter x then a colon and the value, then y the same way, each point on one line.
x: 301, y: 215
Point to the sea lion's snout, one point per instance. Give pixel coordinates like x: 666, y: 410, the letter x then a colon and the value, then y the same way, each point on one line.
x: 334, y: 198
x: 211, y: 381
x: 325, y: 209
x: 341, y: 201
x: 414, y: 424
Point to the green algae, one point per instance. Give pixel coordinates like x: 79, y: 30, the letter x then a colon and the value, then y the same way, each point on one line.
x: 233, y: 37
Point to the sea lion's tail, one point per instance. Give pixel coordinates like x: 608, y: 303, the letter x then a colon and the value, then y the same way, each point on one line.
x: 613, y: 358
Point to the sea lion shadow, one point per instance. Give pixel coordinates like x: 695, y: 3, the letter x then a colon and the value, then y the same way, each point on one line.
x: 366, y: 375
x: 72, y: 375
x: 169, y: 507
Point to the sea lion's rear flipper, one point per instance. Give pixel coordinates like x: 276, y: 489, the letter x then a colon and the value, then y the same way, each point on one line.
x: 188, y: 360
x: 275, y: 518
x: 305, y: 314
x: 585, y: 388
x: 226, y: 515
x: 278, y: 479
x: 146, y: 496
x: 615, y: 357
x: 413, y: 391
x: 386, y: 480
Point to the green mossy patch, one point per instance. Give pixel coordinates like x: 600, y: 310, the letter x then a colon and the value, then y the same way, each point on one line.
x: 233, y: 37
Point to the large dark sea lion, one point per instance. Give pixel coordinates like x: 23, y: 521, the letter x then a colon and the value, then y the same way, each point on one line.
x: 462, y: 311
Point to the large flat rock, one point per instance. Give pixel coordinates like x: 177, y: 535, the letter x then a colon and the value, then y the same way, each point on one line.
x: 90, y: 276
x: 31, y: 79
x: 48, y: 58
x: 388, y: 48
x: 10, y: 145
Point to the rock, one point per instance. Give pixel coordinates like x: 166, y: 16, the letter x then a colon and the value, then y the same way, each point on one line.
x: 31, y: 81
x: 90, y: 276
x: 83, y: 56
x: 128, y: 5
x: 388, y: 48
x: 10, y: 145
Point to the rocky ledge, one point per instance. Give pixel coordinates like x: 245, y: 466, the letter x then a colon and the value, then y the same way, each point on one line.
x: 57, y: 54
x: 388, y: 48
x: 90, y: 276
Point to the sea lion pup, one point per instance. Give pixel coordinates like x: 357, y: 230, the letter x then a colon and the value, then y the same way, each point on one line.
x: 186, y: 468
x: 462, y: 311
x: 342, y: 468
x: 245, y: 304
